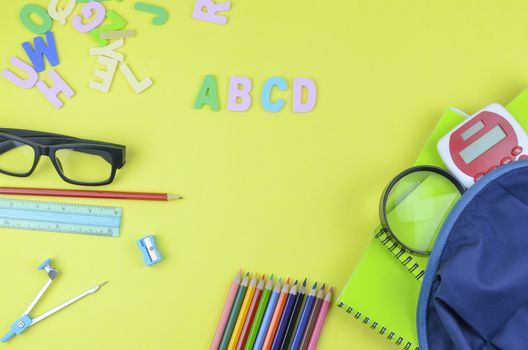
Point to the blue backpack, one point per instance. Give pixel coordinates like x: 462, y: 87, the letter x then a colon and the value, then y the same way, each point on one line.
x: 475, y: 291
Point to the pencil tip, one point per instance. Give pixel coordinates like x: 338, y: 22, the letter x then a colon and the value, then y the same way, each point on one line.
x: 296, y: 281
x: 271, y: 277
x: 171, y: 197
x: 323, y: 287
x: 331, y: 290
x: 315, y: 285
x: 304, y: 283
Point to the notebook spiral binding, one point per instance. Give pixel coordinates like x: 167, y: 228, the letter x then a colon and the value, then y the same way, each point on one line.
x: 400, y: 253
x: 407, y: 260
x: 392, y: 336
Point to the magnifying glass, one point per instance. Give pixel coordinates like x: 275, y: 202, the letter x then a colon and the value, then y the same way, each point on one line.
x: 415, y: 204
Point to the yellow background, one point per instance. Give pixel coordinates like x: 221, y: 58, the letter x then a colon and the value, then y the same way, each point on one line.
x: 290, y: 194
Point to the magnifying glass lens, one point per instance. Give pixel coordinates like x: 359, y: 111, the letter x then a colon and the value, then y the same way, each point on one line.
x: 416, y: 207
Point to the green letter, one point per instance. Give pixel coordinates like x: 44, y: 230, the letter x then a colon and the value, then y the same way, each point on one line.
x: 39, y: 11
x: 208, y: 94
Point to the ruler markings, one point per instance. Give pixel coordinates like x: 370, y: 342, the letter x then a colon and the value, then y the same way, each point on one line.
x: 60, y: 217
x: 54, y: 207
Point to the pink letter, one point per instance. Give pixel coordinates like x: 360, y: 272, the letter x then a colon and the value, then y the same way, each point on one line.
x: 206, y: 10
x: 15, y: 79
x: 239, y: 89
x: 87, y: 11
x: 311, y: 93
x: 52, y: 92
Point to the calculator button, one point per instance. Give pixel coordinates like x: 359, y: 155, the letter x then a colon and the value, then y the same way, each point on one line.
x: 524, y: 156
x: 478, y: 177
x: 506, y: 160
x: 516, y: 150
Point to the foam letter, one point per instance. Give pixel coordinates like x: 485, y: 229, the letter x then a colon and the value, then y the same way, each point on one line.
x: 118, y: 34
x: 15, y: 79
x: 52, y: 92
x: 88, y: 12
x: 42, y: 50
x: 206, y: 10
x: 40, y: 11
x: 236, y: 94
x: 138, y: 86
x: 298, y: 85
x: 107, y: 75
x: 266, y: 94
x: 161, y: 15
x: 116, y: 23
x: 109, y: 50
x: 208, y: 94
x: 60, y: 14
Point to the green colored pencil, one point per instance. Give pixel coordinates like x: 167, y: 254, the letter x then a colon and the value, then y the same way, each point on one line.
x: 234, y: 313
x: 259, y: 315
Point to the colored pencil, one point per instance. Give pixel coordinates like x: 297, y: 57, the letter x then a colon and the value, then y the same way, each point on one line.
x: 320, y: 321
x: 259, y: 314
x: 274, y: 323
x: 313, y: 318
x: 303, y: 321
x: 242, y: 315
x: 267, y: 317
x: 293, y: 318
x: 251, y: 315
x: 225, y: 312
x: 288, y: 308
x: 147, y: 196
x: 234, y: 313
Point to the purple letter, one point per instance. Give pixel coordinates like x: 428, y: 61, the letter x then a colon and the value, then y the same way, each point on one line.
x: 15, y: 79
x: 52, y: 92
x: 87, y: 11
x: 239, y: 89
x: 206, y: 10
x: 311, y: 95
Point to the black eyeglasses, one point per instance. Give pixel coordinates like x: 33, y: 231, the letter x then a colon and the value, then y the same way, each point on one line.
x: 78, y: 161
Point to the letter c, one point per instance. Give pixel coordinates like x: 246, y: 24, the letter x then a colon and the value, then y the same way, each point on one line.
x: 266, y: 94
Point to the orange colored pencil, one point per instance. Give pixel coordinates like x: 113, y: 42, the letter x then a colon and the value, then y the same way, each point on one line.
x: 276, y: 317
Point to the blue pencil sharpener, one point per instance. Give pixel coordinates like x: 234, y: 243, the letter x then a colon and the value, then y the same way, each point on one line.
x: 151, y: 254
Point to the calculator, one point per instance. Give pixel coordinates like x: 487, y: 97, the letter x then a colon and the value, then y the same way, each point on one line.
x: 486, y: 140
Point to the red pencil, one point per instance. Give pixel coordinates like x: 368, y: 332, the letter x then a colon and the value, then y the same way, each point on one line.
x: 251, y: 315
x: 88, y: 194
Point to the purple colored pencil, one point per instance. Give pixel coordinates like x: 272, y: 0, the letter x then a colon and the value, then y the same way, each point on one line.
x: 285, y: 317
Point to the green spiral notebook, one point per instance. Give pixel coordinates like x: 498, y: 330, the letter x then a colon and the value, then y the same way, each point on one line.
x: 383, y: 290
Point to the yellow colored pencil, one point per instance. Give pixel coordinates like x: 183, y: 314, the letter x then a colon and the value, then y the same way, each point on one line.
x: 243, y: 314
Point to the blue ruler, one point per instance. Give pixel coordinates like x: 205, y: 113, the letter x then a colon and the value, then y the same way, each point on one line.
x: 60, y: 217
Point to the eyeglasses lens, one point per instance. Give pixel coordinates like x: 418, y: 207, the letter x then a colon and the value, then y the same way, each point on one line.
x: 15, y: 157
x: 84, y: 165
